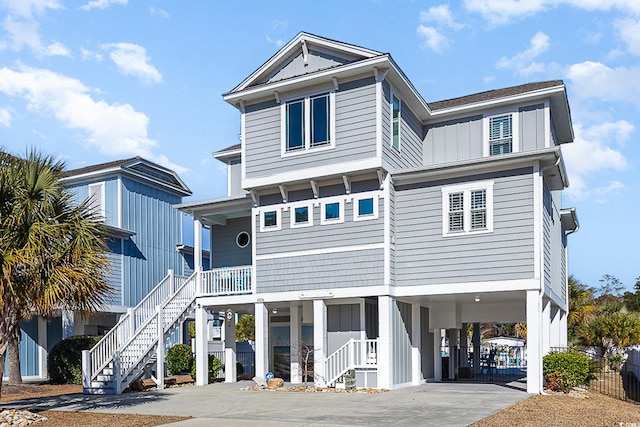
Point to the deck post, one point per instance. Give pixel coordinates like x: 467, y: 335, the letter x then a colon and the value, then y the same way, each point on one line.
x: 262, y: 339
x: 319, y: 342
x: 296, y: 350
x: 534, y: 341
x: 385, y: 358
x: 230, y: 357
x: 160, y: 352
x: 416, y: 354
x: 202, y: 358
x: 86, y: 369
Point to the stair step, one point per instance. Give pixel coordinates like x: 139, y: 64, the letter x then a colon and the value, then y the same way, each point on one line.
x: 99, y: 390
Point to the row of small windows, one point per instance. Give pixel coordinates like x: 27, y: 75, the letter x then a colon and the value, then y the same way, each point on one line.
x: 330, y: 212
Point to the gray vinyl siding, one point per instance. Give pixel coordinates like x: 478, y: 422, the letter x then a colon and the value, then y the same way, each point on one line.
x: 348, y: 233
x: 401, y: 342
x: 392, y: 232
x: 453, y: 140
x: 235, y: 178
x: 547, y: 227
x: 532, y: 134
x: 323, y: 271
x: 411, y: 135
x: 354, y: 128
x: 424, y: 256
x: 555, y: 267
x: 224, y: 250
x: 295, y: 66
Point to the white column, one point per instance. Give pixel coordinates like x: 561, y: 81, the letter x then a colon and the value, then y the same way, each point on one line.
x: 294, y: 334
x: 319, y: 342
x: 437, y: 354
x: 160, y: 351
x: 534, y: 342
x: 230, y: 357
x: 563, y: 328
x: 546, y: 326
x: 385, y: 355
x: 416, y: 355
x: 554, y: 330
x: 67, y: 323
x: 42, y: 347
x: 197, y: 244
x: 262, y: 339
x: 476, y: 347
x: 202, y: 356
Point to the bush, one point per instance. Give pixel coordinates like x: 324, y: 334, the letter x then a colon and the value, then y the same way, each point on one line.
x: 566, y: 370
x: 215, y: 365
x: 65, y: 359
x: 179, y: 359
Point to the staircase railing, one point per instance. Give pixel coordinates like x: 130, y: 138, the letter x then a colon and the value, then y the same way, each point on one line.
x: 353, y: 354
x: 227, y: 281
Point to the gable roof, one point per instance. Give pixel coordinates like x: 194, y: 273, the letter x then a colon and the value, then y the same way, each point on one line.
x: 145, y: 170
x: 300, y: 45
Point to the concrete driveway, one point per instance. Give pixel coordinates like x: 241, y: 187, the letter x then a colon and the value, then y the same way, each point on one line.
x: 432, y: 404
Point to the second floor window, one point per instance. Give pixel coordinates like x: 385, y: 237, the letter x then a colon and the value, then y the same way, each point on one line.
x: 395, y: 121
x: 308, y: 123
x: 96, y: 200
x: 500, y: 134
x: 467, y: 208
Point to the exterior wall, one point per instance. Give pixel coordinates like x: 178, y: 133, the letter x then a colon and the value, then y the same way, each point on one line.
x: 224, y: 250
x: 343, y: 323
x: 555, y: 268
x: 114, y: 274
x: 110, y: 197
x: 355, y: 116
x: 462, y: 138
x: 152, y: 250
x: 401, y: 343
x: 235, y: 179
x: 426, y: 344
x: 29, y: 350
x: 320, y: 256
x: 296, y: 67
x: 411, y: 135
x: 424, y: 256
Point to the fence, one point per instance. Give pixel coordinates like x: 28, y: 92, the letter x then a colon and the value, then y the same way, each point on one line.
x: 245, y: 364
x: 615, y: 376
x: 500, y: 364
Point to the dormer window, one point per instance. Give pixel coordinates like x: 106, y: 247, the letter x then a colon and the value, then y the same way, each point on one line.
x: 308, y: 123
x: 501, y: 133
x: 96, y: 200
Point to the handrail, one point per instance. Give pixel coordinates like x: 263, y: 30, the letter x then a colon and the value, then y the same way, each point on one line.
x: 227, y: 281
x: 353, y: 354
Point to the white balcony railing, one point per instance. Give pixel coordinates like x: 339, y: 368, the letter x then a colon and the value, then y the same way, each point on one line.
x: 226, y: 281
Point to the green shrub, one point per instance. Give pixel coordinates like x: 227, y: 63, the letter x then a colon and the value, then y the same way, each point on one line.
x: 179, y: 359
x: 215, y: 365
x: 563, y: 371
x: 65, y: 359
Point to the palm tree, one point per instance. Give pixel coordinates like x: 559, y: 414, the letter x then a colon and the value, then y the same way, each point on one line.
x: 582, y: 306
x: 52, y: 251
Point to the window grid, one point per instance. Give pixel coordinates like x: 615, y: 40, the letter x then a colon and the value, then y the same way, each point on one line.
x: 456, y: 211
x: 307, y: 123
x: 478, y: 209
x: 395, y: 122
x: 501, y: 134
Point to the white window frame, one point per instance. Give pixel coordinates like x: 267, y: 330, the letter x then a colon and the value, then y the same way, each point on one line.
x: 307, y: 123
x: 278, y: 211
x: 394, y: 94
x: 292, y: 214
x: 328, y: 201
x: 98, y: 206
x: 362, y: 196
x: 466, y: 189
x: 515, y: 131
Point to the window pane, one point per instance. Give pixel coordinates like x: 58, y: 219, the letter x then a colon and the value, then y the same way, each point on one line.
x: 500, y: 127
x: 478, y: 199
x: 396, y: 122
x: 320, y: 120
x: 501, y: 147
x: 332, y: 211
x: 456, y: 213
x: 295, y: 125
x: 456, y: 222
x: 365, y: 207
x: 270, y: 219
x: 478, y: 219
x: 302, y: 214
x: 478, y: 209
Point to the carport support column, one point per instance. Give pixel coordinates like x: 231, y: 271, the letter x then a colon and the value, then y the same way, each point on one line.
x: 202, y: 350
x: 416, y: 355
x: 563, y: 328
x: 296, y: 350
x: 475, y: 340
x: 453, y: 352
x: 554, y: 330
x: 437, y: 354
x: 319, y: 342
x: 230, y: 374
x: 546, y: 326
x: 262, y: 339
x: 534, y: 342
x: 385, y: 359
x: 464, y: 345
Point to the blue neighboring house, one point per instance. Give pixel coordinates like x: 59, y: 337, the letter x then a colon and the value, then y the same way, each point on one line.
x: 135, y: 198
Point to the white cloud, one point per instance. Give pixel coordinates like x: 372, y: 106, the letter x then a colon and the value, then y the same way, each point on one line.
x: 601, y: 193
x: 629, y: 30
x: 28, y: 9
x: 102, y: 4
x: 132, y: 60
x: 88, y: 55
x: 592, y: 153
x: 523, y: 62
x: 488, y: 79
x: 159, y: 12
x: 441, y: 15
x: 500, y: 12
x: 279, y: 24
x: 277, y: 42
x: 5, y: 117
x: 112, y: 129
x: 434, y: 40
x: 596, y: 80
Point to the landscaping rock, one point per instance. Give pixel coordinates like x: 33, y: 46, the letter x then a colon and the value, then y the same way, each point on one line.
x: 275, y: 383
x: 19, y: 417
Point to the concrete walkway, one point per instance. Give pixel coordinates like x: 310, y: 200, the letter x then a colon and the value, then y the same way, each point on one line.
x: 432, y: 404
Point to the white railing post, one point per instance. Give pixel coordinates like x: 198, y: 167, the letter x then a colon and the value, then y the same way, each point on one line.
x: 352, y: 354
x: 160, y: 352
x: 116, y: 372
x: 86, y: 369
x: 172, y: 281
x: 199, y: 290
x: 132, y: 324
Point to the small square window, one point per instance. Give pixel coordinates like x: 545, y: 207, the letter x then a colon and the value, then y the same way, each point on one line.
x: 270, y: 219
x: 365, y: 206
x: 301, y: 214
x: 332, y: 211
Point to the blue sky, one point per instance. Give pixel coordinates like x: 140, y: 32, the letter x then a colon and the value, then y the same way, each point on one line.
x: 95, y: 81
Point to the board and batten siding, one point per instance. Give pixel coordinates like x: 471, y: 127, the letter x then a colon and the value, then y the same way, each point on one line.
x: 462, y: 139
x: 358, y: 267
x: 401, y: 342
x: 411, y: 135
x: 114, y: 273
x: 355, y: 131
x: 225, y: 252
x: 29, y: 350
x: 425, y: 257
x: 81, y: 193
x: 149, y: 212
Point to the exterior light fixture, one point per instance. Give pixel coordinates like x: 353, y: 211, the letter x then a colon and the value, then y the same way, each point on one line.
x: 477, y: 298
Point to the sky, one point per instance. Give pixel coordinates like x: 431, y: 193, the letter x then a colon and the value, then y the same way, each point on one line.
x: 101, y: 80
